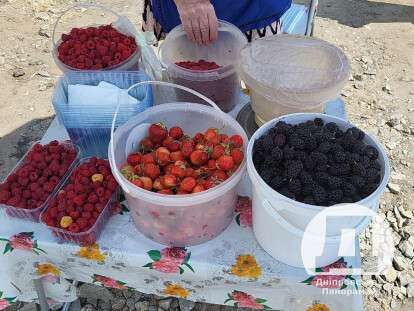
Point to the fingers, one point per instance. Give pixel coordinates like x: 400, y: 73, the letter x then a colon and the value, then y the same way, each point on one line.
x: 187, y: 25
x: 195, y: 24
x: 204, y: 30
x: 212, y: 25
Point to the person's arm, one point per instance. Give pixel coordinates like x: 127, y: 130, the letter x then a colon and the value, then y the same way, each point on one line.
x: 199, y: 20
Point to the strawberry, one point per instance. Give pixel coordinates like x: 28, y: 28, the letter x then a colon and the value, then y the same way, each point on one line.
x: 211, y: 164
x: 176, y: 156
x: 188, y: 184
x: 198, y: 157
x: 224, y: 139
x: 211, y: 134
x: 147, y: 183
x: 169, y: 181
x: 181, y: 192
x: 147, y: 145
x: 138, y: 182
x: 157, y: 185
x: 236, y: 141
x: 166, y: 191
x: 162, y: 156
x: 219, y: 175
x: 237, y: 156
x: 148, y: 158
x: 199, y: 138
x: 134, y: 159
x: 178, y: 171
x: 187, y: 147
x: 225, y: 163
x: 151, y: 170
x: 198, y: 188
x: 157, y: 133
x: 176, y: 132
x: 218, y: 151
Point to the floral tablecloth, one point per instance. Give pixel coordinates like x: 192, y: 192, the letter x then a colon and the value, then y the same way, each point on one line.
x: 231, y: 269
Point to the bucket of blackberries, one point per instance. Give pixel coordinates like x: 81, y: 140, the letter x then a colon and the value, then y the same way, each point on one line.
x: 314, y: 160
x: 110, y: 46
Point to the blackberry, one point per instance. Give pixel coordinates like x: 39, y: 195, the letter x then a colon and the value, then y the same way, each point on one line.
x: 301, y: 156
x: 295, y: 186
x: 359, y: 169
x: 309, y: 164
x: 331, y: 203
x: 349, y: 190
x: 348, y: 143
x: 369, y: 189
x: 339, y: 134
x: 322, y: 178
x: 318, y: 122
x: 357, y: 181
x: 358, y: 147
x: 371, y: 152
x: 266, y: 175
x: 277, y: 182
x: 339, y: 157
x: 334, y: 182
x: 319, y: 194
x: 322, y: 168
x: 287, y: 193
x: 277, y: 154
x: 324, y: 147
x: 331, y: 127
x: 357, y: 198
x: 258, y: 158
x: 293, y: 169
x: 372, y: 175
x: 347, y: 200
x: 336, y: 147
x: 340, y: 169
x: 282, y: 127
x: 288, y: 153
x: 297, y: 143
x: 375, y: 164
x: 335, y: 196
x: 352, y: 157
x: 280, y: 140
x: 319, y: 158
x: 267, y: 142
x: 309, y: 200
x: 270, y: 162
x: 311, y: 143
x: 306, y: 178
x: 355, y: 133
x: 307, y: 190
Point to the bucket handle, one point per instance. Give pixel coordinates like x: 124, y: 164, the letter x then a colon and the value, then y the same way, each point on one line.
x: 115, y: 171
x: 80, y: 5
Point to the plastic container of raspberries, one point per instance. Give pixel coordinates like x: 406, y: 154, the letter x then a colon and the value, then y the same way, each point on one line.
x: 222, y: 84
x: 278, y: 216
x: 89, y: 236
x: 110, y: 46
x: 291, y: 74
x: 177, y: 220
x: 33, y: 213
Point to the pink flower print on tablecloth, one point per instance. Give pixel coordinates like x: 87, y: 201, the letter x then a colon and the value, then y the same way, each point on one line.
x: 244, y: 212
x: 169, y: 260
x: 23, y: 241
x: 244, y: 300
x: 108, y: 282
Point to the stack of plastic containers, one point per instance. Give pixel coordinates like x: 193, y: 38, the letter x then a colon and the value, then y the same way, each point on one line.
x: 89, y: 126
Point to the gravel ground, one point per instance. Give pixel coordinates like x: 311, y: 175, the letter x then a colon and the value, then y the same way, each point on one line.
x: 378, y: 37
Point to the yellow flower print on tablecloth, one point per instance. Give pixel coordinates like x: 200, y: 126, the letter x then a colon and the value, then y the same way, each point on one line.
x: 246, y: 266
x: 318, y: 307
x: 92, y: 252
x: 175, y: 290
x: 47, y: 269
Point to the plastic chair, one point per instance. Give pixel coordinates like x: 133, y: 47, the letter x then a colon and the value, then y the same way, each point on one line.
x: 299, y: 19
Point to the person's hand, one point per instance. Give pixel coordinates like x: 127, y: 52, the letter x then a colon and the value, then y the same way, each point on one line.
x: 199, y: 20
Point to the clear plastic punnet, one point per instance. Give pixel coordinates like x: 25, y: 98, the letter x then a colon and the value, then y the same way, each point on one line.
x: 221, y: 85
x: 288, y: 74
x: 84, y: 15
x: 176, y: 220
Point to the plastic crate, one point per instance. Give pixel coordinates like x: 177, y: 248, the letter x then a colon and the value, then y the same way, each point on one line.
x: 33, y: 214
x: 88, y: 237
x: 90, y: 128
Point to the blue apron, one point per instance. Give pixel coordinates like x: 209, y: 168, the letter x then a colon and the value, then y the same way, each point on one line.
x: 245, y: 14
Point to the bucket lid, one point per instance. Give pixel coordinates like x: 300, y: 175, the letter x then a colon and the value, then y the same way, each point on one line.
x: 293, y: 65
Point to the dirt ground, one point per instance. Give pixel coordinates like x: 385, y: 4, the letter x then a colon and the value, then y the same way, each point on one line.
x: 377, y: 36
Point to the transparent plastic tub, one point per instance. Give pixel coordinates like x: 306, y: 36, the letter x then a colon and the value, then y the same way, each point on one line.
x: 121, y: 23
x: 88, y: 237
x: 221, y: 85
x: 290, y: 74
x: 177, y: 220
x: 33, y: 214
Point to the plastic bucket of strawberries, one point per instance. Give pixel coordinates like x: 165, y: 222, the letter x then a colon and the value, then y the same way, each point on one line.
x: 110, y: 46
x: 179, y: 165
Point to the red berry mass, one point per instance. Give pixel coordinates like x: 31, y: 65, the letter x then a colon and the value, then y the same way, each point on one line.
x: 42, y: 169
x: 80, y: 202
x: 201, y: 65
x: 170, y: 162
x: 95, y: 48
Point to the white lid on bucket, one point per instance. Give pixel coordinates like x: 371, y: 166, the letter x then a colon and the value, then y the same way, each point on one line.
x: 301, y: 70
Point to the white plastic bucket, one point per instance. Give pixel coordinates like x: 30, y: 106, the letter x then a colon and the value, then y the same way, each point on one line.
x: 299, y: 214
x: 283, y: 241
x: 221, y: 85
x: 178, y: 220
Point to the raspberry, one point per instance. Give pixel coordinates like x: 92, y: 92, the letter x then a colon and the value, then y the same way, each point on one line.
x: 79, y: 199
x: 93, y: 198
x: 4, y: 196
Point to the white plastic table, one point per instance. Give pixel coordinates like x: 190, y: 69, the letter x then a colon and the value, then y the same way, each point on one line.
x: 232, y: 269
